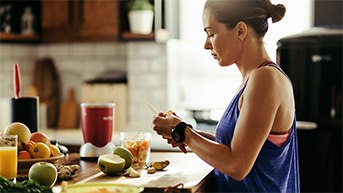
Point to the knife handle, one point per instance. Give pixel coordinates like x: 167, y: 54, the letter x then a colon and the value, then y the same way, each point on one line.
x: 16, y: 81
x: 183, y: 148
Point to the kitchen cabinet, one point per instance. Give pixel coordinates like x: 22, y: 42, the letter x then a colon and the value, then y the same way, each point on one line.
x: 79, y: 20
x: 71, y: 21
x: 11, y: 13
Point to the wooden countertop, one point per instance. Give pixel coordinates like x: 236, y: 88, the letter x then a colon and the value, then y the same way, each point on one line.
x: 187, y: 169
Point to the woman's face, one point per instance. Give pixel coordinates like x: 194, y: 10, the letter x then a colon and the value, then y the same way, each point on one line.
x: 222, y: 42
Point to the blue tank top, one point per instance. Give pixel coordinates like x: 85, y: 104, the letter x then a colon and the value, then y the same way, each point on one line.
x: 275, y: 169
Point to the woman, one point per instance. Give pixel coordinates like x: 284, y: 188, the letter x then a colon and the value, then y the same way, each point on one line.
x: 255, y: 146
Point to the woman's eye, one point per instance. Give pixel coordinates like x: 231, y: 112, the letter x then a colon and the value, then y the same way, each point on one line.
x: 210, y: 35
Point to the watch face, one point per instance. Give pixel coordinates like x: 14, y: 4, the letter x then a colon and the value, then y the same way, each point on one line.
x: 176, y: 136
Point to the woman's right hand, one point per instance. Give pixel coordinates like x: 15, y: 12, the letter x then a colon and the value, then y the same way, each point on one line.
x: 163, y: 125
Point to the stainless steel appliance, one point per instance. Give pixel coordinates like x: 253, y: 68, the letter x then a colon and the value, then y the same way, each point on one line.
x: 313, y: 61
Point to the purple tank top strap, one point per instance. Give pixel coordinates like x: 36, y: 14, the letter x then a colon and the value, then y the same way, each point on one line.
x: 270, y: 63
x: 266, y: 63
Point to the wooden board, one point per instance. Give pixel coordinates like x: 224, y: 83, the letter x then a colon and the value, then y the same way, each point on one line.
x: 187, y: 169
x: 69, y: 112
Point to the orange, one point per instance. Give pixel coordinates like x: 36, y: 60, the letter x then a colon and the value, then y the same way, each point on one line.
x: 40, y: 150
x: 51, y: 153
x: 24, y: 155
x: 145, y: 145
x: 133, y: 151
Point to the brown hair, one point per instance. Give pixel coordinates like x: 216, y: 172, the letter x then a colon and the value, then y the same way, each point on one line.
x: 253, y: 12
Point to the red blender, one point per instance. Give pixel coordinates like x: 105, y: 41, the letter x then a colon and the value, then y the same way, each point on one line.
x: 97, y: 127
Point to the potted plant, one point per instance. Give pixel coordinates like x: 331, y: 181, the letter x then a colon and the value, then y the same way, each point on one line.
x: 141, y: 15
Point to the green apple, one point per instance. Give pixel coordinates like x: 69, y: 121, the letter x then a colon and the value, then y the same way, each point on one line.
x: 111, y: 164
x: 125, y: 154
x: 44, y: 173
x: 21, y: 130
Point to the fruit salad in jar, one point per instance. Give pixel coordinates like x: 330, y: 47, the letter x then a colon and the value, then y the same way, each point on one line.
x: 139, y: 145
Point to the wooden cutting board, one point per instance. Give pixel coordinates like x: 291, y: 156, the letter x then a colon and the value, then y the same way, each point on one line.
x: 69, y: 112
x: 47, y: 82
x: 187, y: 169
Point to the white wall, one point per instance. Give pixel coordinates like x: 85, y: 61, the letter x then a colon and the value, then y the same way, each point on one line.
x: 145, y: 63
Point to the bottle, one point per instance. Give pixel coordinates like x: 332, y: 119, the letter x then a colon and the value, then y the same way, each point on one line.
x: 28, y: 22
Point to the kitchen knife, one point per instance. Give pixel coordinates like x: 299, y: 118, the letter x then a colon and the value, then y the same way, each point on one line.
x: 154, y: 111
x: 16, y: 81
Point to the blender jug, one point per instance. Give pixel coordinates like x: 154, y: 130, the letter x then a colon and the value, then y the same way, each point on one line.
x: 97, y: 121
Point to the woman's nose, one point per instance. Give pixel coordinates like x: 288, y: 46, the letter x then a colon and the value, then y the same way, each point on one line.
x: 207, y: 45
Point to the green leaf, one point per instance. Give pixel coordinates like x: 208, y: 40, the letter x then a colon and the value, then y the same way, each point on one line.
x: 140, y: 5
x: 26, y: 186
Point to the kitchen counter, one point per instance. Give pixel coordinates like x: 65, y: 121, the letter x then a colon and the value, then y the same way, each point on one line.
x: 187, y: 169
x: 74, y: 137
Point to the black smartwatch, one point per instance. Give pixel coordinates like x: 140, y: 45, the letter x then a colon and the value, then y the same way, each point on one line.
x: 178, y: 133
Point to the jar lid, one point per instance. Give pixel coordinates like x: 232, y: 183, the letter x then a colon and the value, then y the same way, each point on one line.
x: 98, y: 105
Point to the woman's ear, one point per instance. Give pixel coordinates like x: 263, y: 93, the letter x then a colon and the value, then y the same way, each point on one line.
x: 242, y: 30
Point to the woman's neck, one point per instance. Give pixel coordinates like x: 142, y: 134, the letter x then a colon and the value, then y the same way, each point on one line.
x: 253, y: 55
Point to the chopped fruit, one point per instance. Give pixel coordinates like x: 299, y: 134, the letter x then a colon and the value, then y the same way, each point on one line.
x: 132, y: 172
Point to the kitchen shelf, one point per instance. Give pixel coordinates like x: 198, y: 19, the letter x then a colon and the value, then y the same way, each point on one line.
x: 131, y: 36
x: 4, y: 37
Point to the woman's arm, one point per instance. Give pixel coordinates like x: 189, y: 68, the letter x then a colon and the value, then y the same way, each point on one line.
x: 206, y: 135
x: 261, y: 100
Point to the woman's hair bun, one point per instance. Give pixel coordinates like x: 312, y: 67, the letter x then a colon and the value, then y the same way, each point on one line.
x: 278, y: 12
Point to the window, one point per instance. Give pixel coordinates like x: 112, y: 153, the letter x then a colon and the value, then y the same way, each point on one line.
x: 196, y: 80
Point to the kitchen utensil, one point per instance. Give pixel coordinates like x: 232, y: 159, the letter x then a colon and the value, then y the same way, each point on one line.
x: 97, y: 127
x: 154, y: 111
x: 16, y: 81
x: 62, y: 148
x: 47, y: 82
x: 69, y: 112
x: 25, y: 110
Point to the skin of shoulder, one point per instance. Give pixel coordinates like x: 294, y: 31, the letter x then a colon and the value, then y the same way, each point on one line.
x: 261, y: 101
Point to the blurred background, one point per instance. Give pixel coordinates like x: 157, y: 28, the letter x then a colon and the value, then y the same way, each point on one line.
x: 71, y: 52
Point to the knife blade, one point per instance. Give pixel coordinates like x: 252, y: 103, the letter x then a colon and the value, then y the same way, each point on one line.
x: 154, y: 111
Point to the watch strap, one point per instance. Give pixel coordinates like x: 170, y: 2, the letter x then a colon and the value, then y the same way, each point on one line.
x: 179, y: 130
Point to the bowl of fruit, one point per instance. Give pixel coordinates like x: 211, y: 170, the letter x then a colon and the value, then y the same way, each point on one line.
x: 32, y: 147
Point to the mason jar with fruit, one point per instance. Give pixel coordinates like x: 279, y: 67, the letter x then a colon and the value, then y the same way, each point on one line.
x: 138, y: 143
